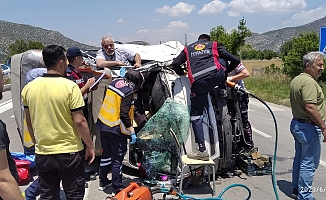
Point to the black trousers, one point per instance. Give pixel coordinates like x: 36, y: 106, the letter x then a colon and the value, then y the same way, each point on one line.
x: 114, y: 149
x: 243, y: 101
x: 68, y: 168
x: 198, y: 98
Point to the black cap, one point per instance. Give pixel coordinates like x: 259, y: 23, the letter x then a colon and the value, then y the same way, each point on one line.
x: 136, y: 77
x: 74, y: 52
x: 204, y: 37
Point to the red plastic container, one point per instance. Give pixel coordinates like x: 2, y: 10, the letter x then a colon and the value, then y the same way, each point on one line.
x: 134, y: 192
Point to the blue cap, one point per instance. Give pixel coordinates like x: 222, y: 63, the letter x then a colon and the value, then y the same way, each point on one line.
x: 74, y: 52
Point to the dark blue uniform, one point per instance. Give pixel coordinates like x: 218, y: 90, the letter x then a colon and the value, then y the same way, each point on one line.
x: 114, y: 142
x: 204, y: 72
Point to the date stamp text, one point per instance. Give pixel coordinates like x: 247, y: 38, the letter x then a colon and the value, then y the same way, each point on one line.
x: 313, y: 189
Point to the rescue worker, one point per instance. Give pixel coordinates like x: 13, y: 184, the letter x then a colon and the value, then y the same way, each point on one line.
x: 75, y: 59
x: 115, y: 125
x: 246, y: 142
x: 204, y: 73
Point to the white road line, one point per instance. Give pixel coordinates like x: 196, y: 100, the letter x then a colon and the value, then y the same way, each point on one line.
x: 3, y: 103
x: 5, y: 106
x: 323, y: 163
x: 261, y: 133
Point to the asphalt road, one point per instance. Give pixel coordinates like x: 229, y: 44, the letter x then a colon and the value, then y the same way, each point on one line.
x: 264, y: 137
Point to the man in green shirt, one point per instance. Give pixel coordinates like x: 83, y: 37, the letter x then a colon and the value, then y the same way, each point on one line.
x: 308, y: 124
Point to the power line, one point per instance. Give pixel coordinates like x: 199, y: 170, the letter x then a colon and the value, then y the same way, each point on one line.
x: 287, y: 17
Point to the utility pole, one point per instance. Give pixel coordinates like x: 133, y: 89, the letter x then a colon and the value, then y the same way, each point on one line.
x: 186, y: 40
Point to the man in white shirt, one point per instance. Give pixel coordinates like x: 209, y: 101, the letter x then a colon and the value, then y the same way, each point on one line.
x: 109, y: 56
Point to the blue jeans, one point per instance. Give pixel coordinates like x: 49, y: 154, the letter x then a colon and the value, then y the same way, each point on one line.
x: 308, y: 138
x: 34, y: 190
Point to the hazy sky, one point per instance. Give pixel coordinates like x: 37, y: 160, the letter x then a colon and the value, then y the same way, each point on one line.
x: 155, y: 21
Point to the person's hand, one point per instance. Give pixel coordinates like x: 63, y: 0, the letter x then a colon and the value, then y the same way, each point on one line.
x: 324, y: 134
x: 89, y: 153
x: 86, y: 64
x: 119, y: 63
x: 137, y: 65
x: 133, y: 138
x: 90, y: 82
x: 229, y: 78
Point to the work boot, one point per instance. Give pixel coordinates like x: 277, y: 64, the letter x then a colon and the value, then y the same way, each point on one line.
x: 197, y: 155
x: 250, y: 150
x: 295, y: 193
x: 104, y: 185
x: 116, y: 191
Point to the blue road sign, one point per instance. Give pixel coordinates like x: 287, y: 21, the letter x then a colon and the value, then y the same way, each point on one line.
x: 322, y: 39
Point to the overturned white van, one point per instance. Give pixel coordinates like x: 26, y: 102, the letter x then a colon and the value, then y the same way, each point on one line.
x: 219, y: 131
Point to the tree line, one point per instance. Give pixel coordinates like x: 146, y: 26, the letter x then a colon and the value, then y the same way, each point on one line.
x: 291, y: 52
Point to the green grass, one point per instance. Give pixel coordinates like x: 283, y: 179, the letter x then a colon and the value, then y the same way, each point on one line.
x: 270, y: 90
x: 273, y: 89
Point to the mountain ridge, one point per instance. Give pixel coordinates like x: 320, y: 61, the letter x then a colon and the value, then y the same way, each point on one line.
x: 273, y: 40
x: 9, y: 32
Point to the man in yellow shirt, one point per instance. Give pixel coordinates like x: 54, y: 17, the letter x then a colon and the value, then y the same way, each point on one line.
x: 54, y: 115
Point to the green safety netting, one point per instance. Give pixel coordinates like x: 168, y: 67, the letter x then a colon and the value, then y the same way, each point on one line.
x: 155, y: 162
x: 155, y: 137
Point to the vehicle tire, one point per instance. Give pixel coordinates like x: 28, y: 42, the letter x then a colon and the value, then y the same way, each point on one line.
x: 218, y: 98
x: 160, y: 91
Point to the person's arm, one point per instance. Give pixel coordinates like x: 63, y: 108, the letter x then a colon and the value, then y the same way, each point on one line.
x: 106, y: 63
x: 137, y: 60
x: 178, y: 61
x: 131, y: 56
x: 315, y: 117
x: 125, y: 107
x: 76, y: 105
x: 227, y: 56
x: 29, y: 124
x: 84, y: 133
x: 244, y: 73
x: 8, y: 186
